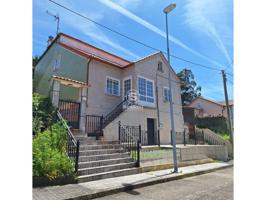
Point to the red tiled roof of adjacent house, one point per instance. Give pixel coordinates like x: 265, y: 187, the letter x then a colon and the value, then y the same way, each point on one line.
x: 230, y: 102
x: 206, y: 99
x: 87, y: 50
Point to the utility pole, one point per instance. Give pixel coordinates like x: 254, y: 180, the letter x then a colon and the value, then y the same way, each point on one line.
x: 56, y: 18
x: 227, y: 108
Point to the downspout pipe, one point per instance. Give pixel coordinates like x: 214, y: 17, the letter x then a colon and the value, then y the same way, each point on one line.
x: 158, y: 112
x: 88, y: 79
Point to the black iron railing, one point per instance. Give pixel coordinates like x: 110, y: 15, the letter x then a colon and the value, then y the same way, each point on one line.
x: 70, y: 111
x: 144, y: 137
x: 114, y: 113
x: 129, y: 139
x: 72, y: 147
x: 199, y: 137
x: 196, y: 138
x: 94, y: 125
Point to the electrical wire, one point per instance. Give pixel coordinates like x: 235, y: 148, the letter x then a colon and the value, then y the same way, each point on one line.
x: 132, y: 39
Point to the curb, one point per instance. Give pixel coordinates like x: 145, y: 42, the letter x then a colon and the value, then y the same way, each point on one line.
x: 144, y: 184
x: 170, y: 165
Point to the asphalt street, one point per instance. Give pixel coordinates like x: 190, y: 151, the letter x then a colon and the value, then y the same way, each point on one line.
x: 217, y: 185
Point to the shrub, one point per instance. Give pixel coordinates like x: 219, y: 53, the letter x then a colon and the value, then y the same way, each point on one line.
x: 225, y: 136
x: 216, y: 124
x: 44, y: 113
x: 49, y: 153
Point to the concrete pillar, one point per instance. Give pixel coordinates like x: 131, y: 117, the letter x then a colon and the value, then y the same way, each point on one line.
x: 55, y: 93
x: 83, y: 108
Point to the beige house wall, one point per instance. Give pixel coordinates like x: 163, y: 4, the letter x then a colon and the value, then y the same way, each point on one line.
x: 147, y: 68
x: 209, y: 108
x: 99, y: 102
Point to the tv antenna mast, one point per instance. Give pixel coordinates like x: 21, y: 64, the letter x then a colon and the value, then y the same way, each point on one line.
x: 56, y: 18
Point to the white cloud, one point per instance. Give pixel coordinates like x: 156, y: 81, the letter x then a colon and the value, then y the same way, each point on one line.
x: 128, y: 3
x: 153, y: 28
x: 93, y: 32
x: 85, y: 27
x: 208, y: 17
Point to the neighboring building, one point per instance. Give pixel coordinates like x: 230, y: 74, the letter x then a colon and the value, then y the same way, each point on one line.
x: 90, y: 81
x: 210, y: 108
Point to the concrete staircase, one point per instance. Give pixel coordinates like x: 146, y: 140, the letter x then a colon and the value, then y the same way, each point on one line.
x: 102, y: 159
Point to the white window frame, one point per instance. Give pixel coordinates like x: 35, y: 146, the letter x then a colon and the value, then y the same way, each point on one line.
x: 115, y: 79
x: 145, y: 103
x: 164, y: 97
x: 125, y: 79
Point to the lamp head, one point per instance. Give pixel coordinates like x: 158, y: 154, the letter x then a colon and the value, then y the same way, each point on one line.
x: 169, y: 8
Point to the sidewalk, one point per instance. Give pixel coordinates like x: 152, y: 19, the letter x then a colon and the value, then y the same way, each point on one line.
x: 104, y: 187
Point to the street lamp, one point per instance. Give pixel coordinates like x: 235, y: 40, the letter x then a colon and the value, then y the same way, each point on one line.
x: 167, y: 10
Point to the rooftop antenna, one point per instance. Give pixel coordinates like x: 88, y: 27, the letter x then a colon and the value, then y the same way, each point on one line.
x: 56, y: 18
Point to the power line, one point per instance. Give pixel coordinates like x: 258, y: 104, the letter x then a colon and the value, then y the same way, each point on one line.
x: 132, y: 39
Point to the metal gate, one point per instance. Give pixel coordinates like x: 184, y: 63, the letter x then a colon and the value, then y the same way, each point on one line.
x: 94, y: 125
x: 70, y: 111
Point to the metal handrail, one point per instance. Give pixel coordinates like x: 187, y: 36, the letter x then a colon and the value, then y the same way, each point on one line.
x: 67, y: 127
x: 110, y: 114
x: 75, y: 154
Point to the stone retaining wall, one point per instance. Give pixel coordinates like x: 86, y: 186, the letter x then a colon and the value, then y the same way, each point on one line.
x: 217, y: 152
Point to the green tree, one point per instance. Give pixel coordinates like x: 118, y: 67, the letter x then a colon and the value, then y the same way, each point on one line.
x: 35, y: 60
x: 189, y: 88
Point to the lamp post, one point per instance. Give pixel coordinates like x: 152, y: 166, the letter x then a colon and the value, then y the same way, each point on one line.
x: 167, y: 10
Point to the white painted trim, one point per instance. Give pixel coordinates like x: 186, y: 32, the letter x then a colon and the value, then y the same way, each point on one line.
x: 163, y: 93
x: 123, y: 85
x: 119, y: 88
x: 145, y: 103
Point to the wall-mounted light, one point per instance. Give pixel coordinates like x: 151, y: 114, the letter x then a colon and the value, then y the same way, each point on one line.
x: 84, y: 98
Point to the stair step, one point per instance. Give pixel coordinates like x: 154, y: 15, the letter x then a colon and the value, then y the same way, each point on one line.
x: 110, y: 174
x: 104, y: 162
x: 99, y: 146
x: 106, y: 168
x: 102, y: 157
x: 83, y: 135
x: 100, y: 152
x: 96, y: 142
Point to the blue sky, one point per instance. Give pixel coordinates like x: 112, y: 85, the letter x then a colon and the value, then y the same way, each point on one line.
x: 200, y: 31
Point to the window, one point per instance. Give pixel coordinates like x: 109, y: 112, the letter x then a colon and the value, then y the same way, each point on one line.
x: 160, y: 66
x: 57, y: 62
x: 146, y: 93
x: 112, y: 86
x: 166, y: 94
x: 127, y: 87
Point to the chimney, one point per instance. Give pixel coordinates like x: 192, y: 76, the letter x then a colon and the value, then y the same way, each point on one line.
x: 50, y: 40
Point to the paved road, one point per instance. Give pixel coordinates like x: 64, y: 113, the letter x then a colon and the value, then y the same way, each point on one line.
x: 213, y: 186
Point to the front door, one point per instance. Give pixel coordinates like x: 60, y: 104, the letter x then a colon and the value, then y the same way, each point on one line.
x: 150, y: 131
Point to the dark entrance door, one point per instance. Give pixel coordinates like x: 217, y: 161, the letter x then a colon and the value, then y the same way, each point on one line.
x: 150, y: 131
x: 70, y: 111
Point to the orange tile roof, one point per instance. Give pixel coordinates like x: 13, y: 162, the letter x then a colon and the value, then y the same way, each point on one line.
x: 70, y: 80
x: 88, y: 50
